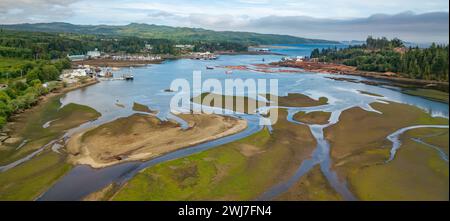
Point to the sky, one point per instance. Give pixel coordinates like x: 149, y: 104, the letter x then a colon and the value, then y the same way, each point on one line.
x: 420, y: 21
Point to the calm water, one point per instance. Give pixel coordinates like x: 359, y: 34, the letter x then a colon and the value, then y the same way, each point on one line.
x: 148, y: 88
x: 302, y: 49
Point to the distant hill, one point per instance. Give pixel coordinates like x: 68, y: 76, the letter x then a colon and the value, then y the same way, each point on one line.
x: 180, y: 34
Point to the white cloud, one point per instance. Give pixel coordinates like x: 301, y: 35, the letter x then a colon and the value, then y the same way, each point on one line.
x: 343, y: 19
x: 14, y: 11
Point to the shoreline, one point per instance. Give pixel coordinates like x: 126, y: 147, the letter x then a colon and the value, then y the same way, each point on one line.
x: 248, y: 53
x: 138, y: 63
x: 116, y: 63
x: 340, y: 69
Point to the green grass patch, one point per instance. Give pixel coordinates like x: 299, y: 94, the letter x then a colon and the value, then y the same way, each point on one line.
x: 395, y: 181
x: 142, y: 108
x: 7, y: 63
x: 430, y: 94
x: 360, y: 158
x: 28, y: 180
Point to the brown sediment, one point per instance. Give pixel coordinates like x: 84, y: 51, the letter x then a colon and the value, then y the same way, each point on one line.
x: 313, y: 186
x: 318, y: 67
x: 102, y: 194
x: 248, y: 105
x: 264, y: 66
x: 316, y: 117
x: 299, y: 100
x: 119, y: 105
x: 238, y: 103
x: 235, y: 67
x: 141, y: 137
x: 143, y: 108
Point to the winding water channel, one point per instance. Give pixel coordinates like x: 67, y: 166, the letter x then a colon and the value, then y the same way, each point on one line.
x: 148, y: 88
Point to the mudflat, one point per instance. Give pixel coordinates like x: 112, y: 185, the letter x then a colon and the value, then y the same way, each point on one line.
x: 242, y: 103
x: 361, y: 158
x: 313, y: 186
x: 142, y: 136
x: 315, y: 117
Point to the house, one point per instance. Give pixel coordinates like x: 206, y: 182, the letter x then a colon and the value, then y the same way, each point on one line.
x: 79, y: 57
x: 71, y: 74
x: 204, y: 56
x: 93, y: 54
x: 299, y: 58
x: 148, y: 47
x: 184, y: 46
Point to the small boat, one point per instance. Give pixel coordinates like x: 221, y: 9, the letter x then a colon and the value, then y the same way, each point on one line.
x: 229, y: 72
x: 108, y: 74
x: 209, y: 67
x: 127, y: 77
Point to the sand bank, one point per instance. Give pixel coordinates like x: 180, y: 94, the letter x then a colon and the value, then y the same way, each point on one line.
x: 142, y: 137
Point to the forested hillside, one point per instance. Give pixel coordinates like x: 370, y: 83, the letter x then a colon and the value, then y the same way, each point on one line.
x: 383, y: 55
x: 179, y: 34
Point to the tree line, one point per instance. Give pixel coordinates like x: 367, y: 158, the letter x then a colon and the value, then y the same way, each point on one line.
x: 58, y: 45
x: 383, y: 55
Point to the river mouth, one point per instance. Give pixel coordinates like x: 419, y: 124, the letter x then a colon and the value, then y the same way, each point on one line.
x: 150, y: 90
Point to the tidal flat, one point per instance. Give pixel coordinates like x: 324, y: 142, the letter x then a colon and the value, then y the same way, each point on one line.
x: 241, y: 170
x: 33, y: 130
x: 315, y: 117
x: 362, y: 158
x: 242, y: 103
x: 313, y: 186
x: 142, y: 137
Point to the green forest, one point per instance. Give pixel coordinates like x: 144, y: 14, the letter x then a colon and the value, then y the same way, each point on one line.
x: 383, y: 55
x: 27, y: 62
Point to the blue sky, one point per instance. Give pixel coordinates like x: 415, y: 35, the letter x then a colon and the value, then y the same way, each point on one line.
x: 309, y: 18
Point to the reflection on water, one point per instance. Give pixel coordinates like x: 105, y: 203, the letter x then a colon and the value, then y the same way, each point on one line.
x: 148, y: 88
